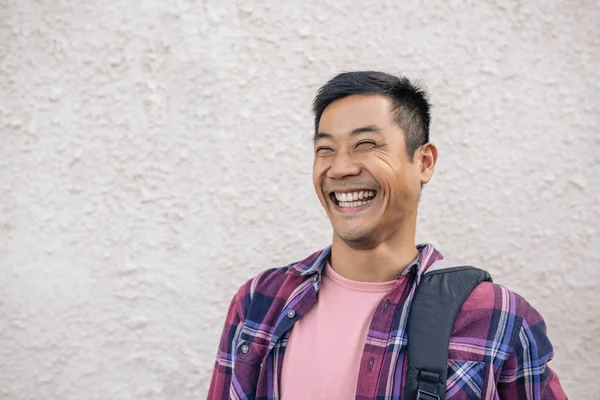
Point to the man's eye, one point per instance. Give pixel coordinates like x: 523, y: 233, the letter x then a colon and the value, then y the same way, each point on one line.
x: 323, y: 150
x: 365, y: 144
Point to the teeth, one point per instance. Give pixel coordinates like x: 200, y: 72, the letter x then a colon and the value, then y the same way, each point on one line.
x: 352, y: 203
x: 354, y: 196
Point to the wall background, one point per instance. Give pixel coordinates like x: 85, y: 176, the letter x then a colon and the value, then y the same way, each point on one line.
x: 156, y: 154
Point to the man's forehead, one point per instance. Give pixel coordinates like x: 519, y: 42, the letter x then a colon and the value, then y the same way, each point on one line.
x: 345, y: 115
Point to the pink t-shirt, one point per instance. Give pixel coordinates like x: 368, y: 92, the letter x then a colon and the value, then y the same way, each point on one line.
x: 323, y: 354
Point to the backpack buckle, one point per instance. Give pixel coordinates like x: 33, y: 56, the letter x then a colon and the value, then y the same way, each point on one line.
x: 425, y: 395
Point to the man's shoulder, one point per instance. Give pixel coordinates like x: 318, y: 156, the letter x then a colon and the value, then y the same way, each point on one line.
x: 279, y: 281
x: 498, y: 298
x: 495, y: 312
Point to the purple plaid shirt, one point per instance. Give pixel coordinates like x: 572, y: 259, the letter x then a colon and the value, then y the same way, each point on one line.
x: 498, y: 349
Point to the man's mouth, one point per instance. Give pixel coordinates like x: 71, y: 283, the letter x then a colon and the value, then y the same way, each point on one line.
x: 348, y: 200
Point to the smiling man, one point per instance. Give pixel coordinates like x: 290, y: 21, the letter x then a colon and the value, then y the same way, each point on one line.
x: 335, y: 325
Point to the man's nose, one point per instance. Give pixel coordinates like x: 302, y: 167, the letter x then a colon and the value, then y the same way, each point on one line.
x: 343, y: 166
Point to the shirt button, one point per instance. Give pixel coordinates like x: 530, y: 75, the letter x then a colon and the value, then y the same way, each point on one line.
x: 291, y: 314
x: 386, y: 305
x: 316, y: 278
x: 245, y: 349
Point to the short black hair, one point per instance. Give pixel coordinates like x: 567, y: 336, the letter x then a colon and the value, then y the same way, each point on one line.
x: 410, y: 104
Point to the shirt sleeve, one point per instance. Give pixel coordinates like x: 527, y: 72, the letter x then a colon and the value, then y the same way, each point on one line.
x: 221, y: 378
x: 526, y: 374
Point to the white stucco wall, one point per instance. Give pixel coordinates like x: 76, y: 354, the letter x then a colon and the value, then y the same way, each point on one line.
x: 156, y: 154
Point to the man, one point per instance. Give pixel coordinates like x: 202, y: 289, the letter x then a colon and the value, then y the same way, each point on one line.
x: 333, y: 326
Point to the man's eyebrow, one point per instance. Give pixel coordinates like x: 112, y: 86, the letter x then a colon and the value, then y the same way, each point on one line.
x: 322, y: 135
x: 354, y: 132
x: 364, y: 129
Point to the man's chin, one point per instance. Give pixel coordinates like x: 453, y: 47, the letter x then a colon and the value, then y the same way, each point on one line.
x: 356, y: 238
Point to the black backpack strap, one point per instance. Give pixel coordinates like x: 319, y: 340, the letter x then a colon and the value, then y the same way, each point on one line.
x: 443, y: 289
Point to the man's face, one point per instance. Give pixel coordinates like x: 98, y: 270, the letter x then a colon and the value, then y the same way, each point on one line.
x: 361, y: 171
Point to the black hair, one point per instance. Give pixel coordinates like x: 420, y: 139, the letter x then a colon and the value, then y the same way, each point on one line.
x: 409, y: 101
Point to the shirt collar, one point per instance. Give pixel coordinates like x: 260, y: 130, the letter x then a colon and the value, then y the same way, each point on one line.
x: 315, y: 263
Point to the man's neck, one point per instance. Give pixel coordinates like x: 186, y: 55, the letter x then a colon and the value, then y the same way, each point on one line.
x: 382, y: 263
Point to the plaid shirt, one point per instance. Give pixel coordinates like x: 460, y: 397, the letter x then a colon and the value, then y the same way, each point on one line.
x: 498, y: 349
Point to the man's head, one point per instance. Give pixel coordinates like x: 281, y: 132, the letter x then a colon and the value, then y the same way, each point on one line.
x: 372, y: 154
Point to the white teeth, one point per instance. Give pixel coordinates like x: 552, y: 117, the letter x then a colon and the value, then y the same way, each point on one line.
x: 353, y: 203
x: 354, y: 196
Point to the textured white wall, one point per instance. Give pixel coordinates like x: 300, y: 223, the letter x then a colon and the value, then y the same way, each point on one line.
x: 156, y: 154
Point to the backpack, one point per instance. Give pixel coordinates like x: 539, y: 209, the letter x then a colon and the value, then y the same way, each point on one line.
x: 439, y: 296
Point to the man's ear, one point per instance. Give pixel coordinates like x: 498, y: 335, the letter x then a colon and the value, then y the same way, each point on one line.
x: 428, y: 156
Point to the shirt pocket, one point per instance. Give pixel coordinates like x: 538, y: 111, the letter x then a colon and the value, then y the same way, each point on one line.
x: 465, y: 380
x: 247, y: 368
x: 251, y: 353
